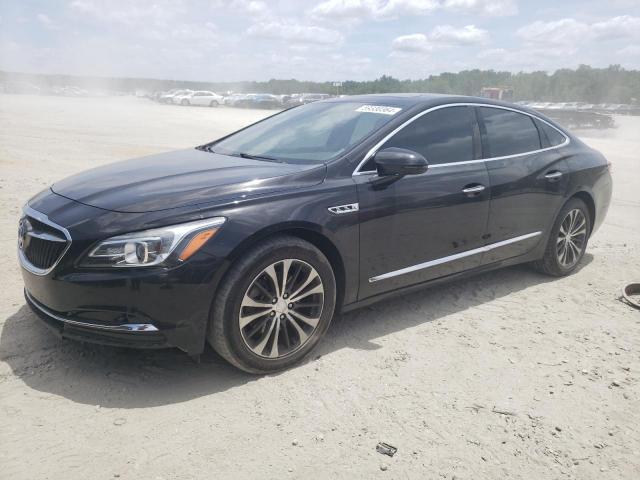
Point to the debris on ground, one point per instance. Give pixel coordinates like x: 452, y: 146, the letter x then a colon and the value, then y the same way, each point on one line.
x: 386, y: 449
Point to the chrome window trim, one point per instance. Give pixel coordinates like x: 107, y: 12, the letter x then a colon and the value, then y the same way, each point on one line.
x: 375, y: 148
x: 41, y: 217
x: 127, y: 327
x: 450, y: 258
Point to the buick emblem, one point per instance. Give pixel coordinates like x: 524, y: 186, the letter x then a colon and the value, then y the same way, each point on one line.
x: 23, y: 233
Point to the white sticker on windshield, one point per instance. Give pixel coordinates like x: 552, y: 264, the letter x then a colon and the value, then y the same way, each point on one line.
x: 378, y: 109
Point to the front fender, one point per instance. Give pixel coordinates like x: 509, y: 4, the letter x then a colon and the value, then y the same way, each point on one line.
x: 254, y: 220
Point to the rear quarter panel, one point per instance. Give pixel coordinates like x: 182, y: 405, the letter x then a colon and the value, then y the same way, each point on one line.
x: 590, y: 173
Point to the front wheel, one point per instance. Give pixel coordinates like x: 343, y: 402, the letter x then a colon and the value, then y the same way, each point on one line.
x: 185, y: 102
x: 568, y: 240
x: 274, y: 306
x: 213, y: 104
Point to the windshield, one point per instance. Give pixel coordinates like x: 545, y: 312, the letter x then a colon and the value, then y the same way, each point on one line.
x: 313, y: 133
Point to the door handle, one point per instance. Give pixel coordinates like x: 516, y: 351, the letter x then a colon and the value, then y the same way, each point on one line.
x: 553, y: 175
x: 473, y: 191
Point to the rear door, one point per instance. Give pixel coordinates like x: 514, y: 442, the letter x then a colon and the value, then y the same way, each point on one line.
x: 528, y: 177
x: 430, y: 225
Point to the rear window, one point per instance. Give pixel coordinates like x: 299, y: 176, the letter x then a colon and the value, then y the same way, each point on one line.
x: 508, y: 132
x: 553, y: 136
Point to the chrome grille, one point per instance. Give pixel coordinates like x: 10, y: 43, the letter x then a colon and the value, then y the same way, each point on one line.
x: 41, y: 243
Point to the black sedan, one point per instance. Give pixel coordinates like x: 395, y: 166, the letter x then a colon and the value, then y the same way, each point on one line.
x: 259, y: 100
x: 253, y: 242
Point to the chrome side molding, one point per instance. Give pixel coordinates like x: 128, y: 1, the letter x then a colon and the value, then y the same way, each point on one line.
x: 342, y: 209
x: 451, y: 258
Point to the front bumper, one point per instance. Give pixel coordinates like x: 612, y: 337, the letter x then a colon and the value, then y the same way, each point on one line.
x: 126, y: 335
x: 153, y: 306
x: 159, y: 308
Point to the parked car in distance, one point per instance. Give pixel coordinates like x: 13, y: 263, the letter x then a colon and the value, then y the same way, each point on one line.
x: 203, y: 98
x: 283, y: 99
x: 254, y: 241
x: 166, y: 97
x: 21, y: 88
x: 182, y: 97
x: 307, y: 98
x: 233, y: 99
x: 263, y: 100
x: 69, y: 91
x: 256, y: 100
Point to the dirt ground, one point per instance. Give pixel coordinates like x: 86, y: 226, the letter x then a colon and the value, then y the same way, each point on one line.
x: 506, y: 375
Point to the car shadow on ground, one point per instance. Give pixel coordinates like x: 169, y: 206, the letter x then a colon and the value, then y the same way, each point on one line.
x: 128, y: 378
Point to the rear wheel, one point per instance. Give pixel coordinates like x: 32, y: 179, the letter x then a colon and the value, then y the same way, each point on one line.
x: 184, y: 102
x: 568, y: 240
x: 274, y: 306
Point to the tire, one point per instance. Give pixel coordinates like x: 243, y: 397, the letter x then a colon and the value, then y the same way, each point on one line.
x: 250, y: 347
x: 214, y: 104
x: 557, y: 247
x: 184, y: 102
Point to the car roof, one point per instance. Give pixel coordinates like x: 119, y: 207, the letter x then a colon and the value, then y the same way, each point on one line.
x: 420, y: 99
x: 428, y: 100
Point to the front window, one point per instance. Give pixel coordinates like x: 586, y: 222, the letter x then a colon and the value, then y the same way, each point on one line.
x: 313, y: 133
x: 441, y: 136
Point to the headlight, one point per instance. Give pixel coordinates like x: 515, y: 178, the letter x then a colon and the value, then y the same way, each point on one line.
x: 152, y: 247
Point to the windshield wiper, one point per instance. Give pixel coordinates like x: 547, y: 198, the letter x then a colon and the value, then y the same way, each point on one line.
x: 249, y: 156
x: 258, y: 157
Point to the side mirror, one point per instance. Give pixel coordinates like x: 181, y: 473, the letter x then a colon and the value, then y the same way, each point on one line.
x: 399, y: 162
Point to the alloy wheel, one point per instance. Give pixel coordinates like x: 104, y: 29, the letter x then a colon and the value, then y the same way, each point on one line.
x: 572, y: 238
x: 281, y: 308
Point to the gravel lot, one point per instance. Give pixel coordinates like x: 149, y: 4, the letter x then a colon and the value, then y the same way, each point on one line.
x: 506, y: 375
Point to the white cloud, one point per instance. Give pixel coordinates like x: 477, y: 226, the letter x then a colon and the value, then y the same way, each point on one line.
x: 346, y: 9
x: 396, y: 8
x: 468, y: 35
x: 564, y: 31
x: 569, y: 32
x: 195, y: 33
x: 490, y: 8
x: 492, y: 53
x: 140, y: 12
x: 294, y: 32
x: 44, y: 20
x: 416, y: 42
x: 441, y: 36
x: 568, y: 42
x: 385, y: 9
x: 252, y: 7
x: 630, y: 51
x: 618, y: 27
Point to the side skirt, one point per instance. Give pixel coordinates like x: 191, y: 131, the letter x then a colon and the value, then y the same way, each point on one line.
x: 528, y: 257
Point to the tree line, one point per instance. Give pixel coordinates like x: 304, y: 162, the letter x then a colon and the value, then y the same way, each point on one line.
x: 613, y: 84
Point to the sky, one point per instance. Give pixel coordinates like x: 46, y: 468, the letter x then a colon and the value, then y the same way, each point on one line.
x: 322, y: 40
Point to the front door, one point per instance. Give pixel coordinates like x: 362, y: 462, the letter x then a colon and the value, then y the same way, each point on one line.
x: 430, y: 225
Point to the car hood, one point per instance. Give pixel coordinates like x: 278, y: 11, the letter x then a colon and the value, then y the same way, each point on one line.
x: 183, y: 178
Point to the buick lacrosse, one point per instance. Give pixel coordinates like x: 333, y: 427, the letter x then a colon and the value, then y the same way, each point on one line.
x: 255, y: 241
